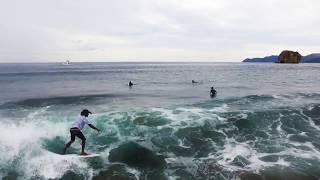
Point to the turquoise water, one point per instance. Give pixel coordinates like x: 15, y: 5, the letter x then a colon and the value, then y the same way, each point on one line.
x: 263, y: 123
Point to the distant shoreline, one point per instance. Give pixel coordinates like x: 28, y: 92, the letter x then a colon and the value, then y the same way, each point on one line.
x: 311, y: 58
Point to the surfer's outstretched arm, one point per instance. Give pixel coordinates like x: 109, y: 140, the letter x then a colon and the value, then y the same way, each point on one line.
x: 93, y: 127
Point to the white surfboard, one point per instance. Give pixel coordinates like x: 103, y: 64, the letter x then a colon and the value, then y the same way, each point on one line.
x: 82, y: 156
x: 75, y: 155
x: 89, y: 156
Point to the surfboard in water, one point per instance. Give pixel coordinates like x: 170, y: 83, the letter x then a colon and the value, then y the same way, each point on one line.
x: 89, y: 155
x: 82, y: 156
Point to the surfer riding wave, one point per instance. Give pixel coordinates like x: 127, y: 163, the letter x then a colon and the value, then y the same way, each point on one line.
x: 75, y: 131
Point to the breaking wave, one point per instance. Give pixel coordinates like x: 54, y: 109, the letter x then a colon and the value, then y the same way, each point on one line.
x: 251, y: 136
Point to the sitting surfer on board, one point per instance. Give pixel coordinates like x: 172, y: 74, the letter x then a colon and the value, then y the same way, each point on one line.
x: 76, y: 130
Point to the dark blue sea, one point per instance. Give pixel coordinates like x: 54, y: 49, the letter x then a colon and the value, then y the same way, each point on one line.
x: 264, y: 122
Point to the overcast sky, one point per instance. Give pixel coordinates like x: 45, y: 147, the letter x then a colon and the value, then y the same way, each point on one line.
x: 155, y: 30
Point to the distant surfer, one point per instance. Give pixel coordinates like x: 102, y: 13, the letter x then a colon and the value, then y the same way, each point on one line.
x: 76, y: 128
x: 193, y: 81
x: 130, y: 84
x: 213, y: 92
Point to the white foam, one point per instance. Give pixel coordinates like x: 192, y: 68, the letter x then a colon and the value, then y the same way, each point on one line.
x: 313, y: 153
x: 22, y: 140
x: 50, y: 165
x: 231, y: 150
x: 312, y: 124
x: 133, y: 171
x: 222, y: 109
x: 189, y: 117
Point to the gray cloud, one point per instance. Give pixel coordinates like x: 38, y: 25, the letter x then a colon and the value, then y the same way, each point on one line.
x: 124, y: 30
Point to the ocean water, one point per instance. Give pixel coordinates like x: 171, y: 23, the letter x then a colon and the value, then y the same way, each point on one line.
x: 264, y: 122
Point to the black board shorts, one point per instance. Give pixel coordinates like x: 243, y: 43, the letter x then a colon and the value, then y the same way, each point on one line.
x: 76, y: 132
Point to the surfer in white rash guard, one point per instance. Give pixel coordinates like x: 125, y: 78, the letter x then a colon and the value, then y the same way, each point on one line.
x: 76, y: 130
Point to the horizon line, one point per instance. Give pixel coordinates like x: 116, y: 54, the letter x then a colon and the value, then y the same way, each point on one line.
x: 61, y: 62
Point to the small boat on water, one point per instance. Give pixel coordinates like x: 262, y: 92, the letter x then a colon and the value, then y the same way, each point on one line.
x: 66, y: 63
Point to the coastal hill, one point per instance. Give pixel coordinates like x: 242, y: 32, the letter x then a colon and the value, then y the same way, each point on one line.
x: 312, y: 58
x: 269, y: 59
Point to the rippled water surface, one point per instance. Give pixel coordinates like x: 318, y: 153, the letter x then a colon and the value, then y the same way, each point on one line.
x: 263, y: 123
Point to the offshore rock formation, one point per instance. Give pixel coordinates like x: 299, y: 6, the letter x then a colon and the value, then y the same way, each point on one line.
x: 289, y: 57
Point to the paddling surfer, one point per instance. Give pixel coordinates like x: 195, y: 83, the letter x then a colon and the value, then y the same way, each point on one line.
x: 130, y: 84
x: 76, y: 128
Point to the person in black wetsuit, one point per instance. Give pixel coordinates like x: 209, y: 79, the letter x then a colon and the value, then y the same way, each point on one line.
x: 130, y: 84
x: 76, y: 128
x: 213, y: 92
